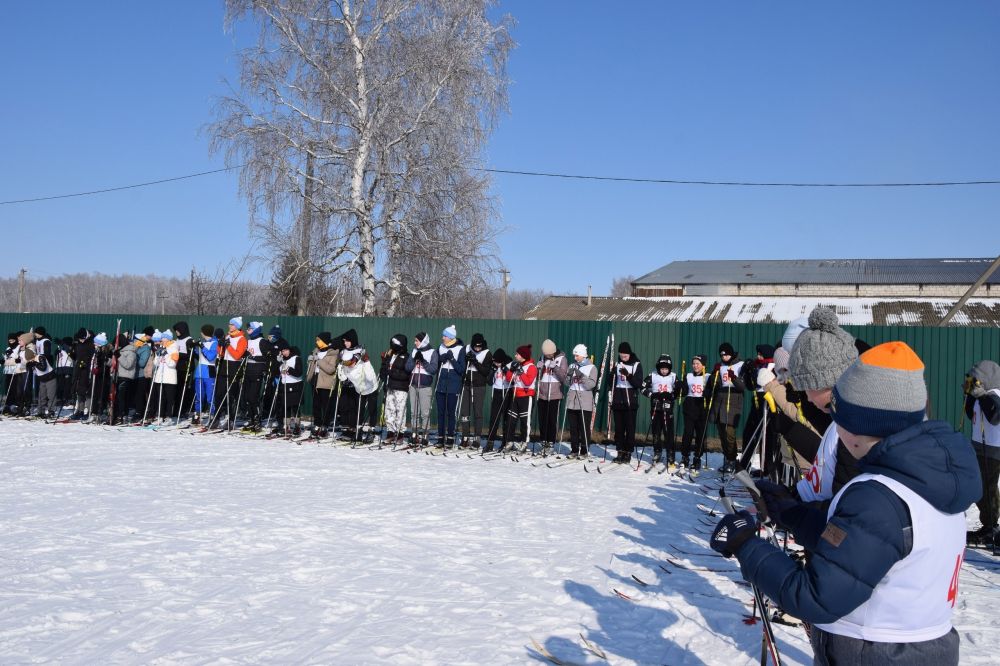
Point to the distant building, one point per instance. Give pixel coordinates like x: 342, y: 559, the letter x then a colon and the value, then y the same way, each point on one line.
x: 884, y: 292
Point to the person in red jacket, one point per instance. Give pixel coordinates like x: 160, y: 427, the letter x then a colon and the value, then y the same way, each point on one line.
x: 229, y: 374
x: 522, y: 373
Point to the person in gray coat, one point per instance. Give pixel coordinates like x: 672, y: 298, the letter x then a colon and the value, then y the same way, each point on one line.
x: 552, y: 367
x: 580, y: 381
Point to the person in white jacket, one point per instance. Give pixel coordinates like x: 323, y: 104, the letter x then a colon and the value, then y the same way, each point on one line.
x: 164, y: 374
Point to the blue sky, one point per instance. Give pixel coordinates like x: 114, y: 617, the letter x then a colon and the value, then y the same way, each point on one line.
x: 114, y: 93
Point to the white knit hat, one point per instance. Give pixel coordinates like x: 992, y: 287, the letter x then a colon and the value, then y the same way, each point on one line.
x: 580, y: 350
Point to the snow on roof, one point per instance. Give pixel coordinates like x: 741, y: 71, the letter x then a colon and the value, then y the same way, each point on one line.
x: 777, y: 310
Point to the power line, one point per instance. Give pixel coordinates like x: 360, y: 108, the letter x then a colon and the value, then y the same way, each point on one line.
x: 546, y: 174
x: 116, y: 189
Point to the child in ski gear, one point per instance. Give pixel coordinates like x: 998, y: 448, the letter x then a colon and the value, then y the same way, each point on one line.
x: 322, y: 375
x: 660, y: 386
x: 184, y: 345
x: 882, y: 580
x: 359, y: 389
x: 982, y: 407
x: 143, y: 369
x: 451, y: 368
x: 478, y: 372
x: 552, y: 368
x: 753, y: 431
x: 626, y: 380
x: 396, y: 380
x: 26, y: 344
x: 695, y: 410
x: 521, y: 375
x: 290, y: 372
x: 164, y: 374
x: 423, y: 367
x: 125, y: 382
x: 229, y: 375
x: 43, y: 366
x: 83, y: 359
x: 501, y: 398
x: 726, y: 396
x: 580, y: 381
x: 204, y: 372
x: 64, y: 371
x: 253, y: 373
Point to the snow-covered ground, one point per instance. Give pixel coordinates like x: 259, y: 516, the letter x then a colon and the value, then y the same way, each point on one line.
x: 133, y: 546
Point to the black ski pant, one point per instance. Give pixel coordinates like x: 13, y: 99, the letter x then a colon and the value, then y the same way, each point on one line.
x: 624, y: 429
x: 290, y: 399
x: 140, y: 393
x: 163, y: 396
x: 123, y: 398
x: 989, y: 473
x: 64, y: 386
x: 473, y: 398
x: 251, y: 390
x: 661, y: 425
x: 579, y: 431
x: 25, y: 392
x: 81, y: 384
x: 447, y: 405
x: 518, y: 415
x: 227, y: 390
x: 348, y: 408
x: 499, y: 406
x: 548, y: 420
x: 695, y: 423
x: 322, y: 408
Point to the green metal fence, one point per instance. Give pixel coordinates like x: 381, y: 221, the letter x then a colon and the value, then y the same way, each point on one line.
x: 947, y: 352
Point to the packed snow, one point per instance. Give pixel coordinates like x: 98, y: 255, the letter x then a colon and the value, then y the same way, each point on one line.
x: 129, y: 546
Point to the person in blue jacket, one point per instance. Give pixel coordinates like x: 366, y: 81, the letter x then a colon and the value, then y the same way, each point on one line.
x: 451, y: 369
x: 882, y: 580
x: 207, y: 350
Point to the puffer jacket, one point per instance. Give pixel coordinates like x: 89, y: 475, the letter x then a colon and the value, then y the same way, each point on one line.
x: 551, y: 375
x: 322, y: 370
x: 580, y: 381
x: 451, y: 365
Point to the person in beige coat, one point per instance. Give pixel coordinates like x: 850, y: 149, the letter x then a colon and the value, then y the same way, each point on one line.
x: 322, y: 374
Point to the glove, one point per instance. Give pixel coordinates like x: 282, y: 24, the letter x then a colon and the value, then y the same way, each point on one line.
x: 732, y: 532
x: 624, y: 373
x: 977, y: 390
x: 777, y: 498
x: 764, y: 377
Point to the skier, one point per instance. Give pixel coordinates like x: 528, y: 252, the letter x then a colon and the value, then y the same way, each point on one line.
x: 451, y: 369
x: 184, y: 345
x: 270, y: 352
x: 43, y: 366
x: 26, y: 379
x: 359, y: 389
x: 321, y: 373
x: 881, y: 584
x: 478, y: 371
x: 164, y: 375
x: 253, y: 374
x: 204, y: 373
x: 10, y: 363
x: 500, y: 399
x: 125, y: 381
x: 143, y: 369
x: 660, y: 386
x: 395, y: 379
x: 422, y: 366
x: 982, y: 407
x: 83, y: 360
x: 290, y: 373
x: 229, y: 374
x: 694, y: 407
x: 64, y: 371
x: 771, y: 452
x: 552, y: 367
x: 581, y: 380
x: 626, y: 380
x: 726, y: 396
x: 521, y: 375
x: 102, y: 374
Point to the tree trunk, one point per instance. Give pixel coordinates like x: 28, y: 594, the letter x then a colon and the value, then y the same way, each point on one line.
x: 301, y: 271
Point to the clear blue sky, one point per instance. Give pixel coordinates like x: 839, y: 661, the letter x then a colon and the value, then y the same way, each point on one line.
x: 104, y: 94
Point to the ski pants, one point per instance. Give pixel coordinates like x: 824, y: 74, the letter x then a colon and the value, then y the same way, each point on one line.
x: 227, y: 389
x: 499, y: 406
x: 624, y: 429
x: 420, y: 408
x: 140, y: 395
x: 695, y: 423
x: 81, y: 385
x: 473, y: 398
x: 727, y: 437
x: 518, y: 420
x: 548, y: 420
x: 833, y: 649
x: 395, y: 411
x: 64, y: 385
x: 25, y: 392
x: 291, y: 397
x: 251, y: 389
x: 164, y: 394
x: 322, y: 407
x: 989, y: 472
x: 46, y: 396
x: 204, y: 389
x: 447, y: 405
x: 348, y: 407
x: 123, y: 397
x: 579, y: 430
x: 661, y: 425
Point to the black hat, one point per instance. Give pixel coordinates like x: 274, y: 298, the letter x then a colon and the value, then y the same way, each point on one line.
x: 350, y: 336
x: 702, y: 358
x: 182, y: 329
x: 664, y: 362
x: 281, y: 344
x: 500, y: 357
x: 726, y: 348
x: 148, y: 331
x: 625, y: 348
x: 82, y: 333
x: 207, y: 329
x: 767, y: 351
x: 40, y: 331
x: 478, y: 340
x: 326, y: 337
x: 398, y: 342
x: 219, y: 333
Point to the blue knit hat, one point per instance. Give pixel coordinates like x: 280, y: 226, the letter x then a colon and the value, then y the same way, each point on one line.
x: 237, y: 322
x: 157, y: 336
x: 101, y: 339
x: 167, y: 335
x: 450, y: 332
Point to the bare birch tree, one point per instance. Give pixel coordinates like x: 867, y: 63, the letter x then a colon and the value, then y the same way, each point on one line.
x: 359, y: 125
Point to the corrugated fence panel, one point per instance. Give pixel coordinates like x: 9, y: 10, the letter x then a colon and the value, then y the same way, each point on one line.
x: 947, y: 353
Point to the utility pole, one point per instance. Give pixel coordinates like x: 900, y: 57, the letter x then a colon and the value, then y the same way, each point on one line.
x: 20, y: 290
x: 163, y: 302
x: 503, y: 294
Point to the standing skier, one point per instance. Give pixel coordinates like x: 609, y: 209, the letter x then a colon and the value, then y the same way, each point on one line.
x: 230, y: 374
x: 552, y: 367
x: 290, y: 373
x: 726, y: 396
x: 660, y: 386
x: 695, y: 410
x: 521, y: 375
x: 581, y: 380
x: 451, y: 357
x: 184, y: 345
x: 423, y: 366
x: 500, y: 399
x: 396, y: 380
x: 478, y: 372
x: 253, y: 373
x: 626, y: 380
x: 322, y: 375
x: 982, y: 407
x: 83, y: 360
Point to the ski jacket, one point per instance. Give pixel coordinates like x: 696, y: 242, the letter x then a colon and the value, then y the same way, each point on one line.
x: 393, y: 373
x: 64, y: 362
x: 580, y: 381
x: 184, y: 344
x: 626, y: 380
x: 256, y: 355
x: 290, y: 369
x: 165, y: 364
x: 551, y: 375
x: 661, y: 391
x: 692, y: 394
x: 478, y: 369
x: 361, y: 375
x: 422, y: 365
x: 142, y: 355
x: 236, y: 347
x: 322, y: 370
x: 451, y: 367
x: 886, y: 554
x: 984, y: 411
x: 127, y: 361
x: 207, y: 352
x: 83, y: 356
x: 522, y: 378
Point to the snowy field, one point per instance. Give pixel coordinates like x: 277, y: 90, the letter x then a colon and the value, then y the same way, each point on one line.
x: 137, y: 547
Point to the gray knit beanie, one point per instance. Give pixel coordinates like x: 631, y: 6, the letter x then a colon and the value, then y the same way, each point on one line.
x: 821, y: 353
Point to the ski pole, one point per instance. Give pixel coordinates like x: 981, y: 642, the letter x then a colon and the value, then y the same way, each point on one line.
x: 187, y: 373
